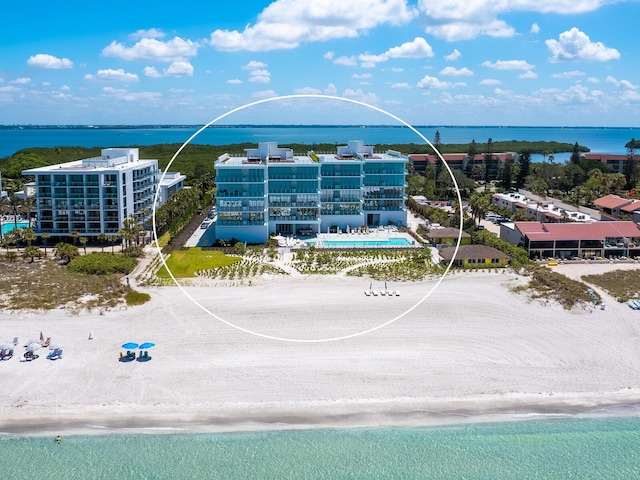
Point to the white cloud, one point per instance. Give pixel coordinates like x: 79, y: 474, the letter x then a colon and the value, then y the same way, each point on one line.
x: 453, y: 56
x: 623, y: 84
x: 456, y: 72
x: 44, y: 60
x: 432, y: 82
x: 65, y: 88
x: 151, y: 72
x: 265, y: 94
x: 370, y: 98
x: 576, y: 45
x: 234, y: 81
x: 328, y: 56
x: 151, y: 49
x: 418, y: 48
x: 490, y: 81
x: 21, y: 81
x: 285, y: 24
x: 1, y: 79
x: 141, y: 96
x: 9, y: 89
x: 535, y: 28
x: 260, y: 76
x: 46, y: 84
x: 346, y: 61
x: 358, y: 76
x: 254, y: 65
x: 466, y: 19
x: 397, y: 70
x: 593, y: 80
x: 150, y: 33
x: 179, y: 69
x: 528, y: 75
x: 403, y: 85
x: 111, y: 74
x: 508, y: 65
x: 330, y: 89
x: 113, y: 90
x: 571, y: 74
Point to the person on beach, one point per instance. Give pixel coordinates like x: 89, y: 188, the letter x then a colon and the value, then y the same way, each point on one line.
x: 58, y: 439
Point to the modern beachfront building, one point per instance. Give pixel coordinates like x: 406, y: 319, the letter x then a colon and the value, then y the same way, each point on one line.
x: 272, y: 190
x: 94, y: 195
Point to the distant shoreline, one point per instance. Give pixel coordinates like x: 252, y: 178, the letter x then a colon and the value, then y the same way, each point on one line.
x: 196, y: 126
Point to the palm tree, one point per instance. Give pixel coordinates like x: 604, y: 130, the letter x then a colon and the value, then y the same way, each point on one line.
x: 83, y: 241
x: 32, y: 252
x: 45, y: 237
x: 65, y: 252
x: 74, y: 236
x: 102, y: 237
x: 28, y: 235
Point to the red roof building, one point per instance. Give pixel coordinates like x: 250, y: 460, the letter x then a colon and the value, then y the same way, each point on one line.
x: 568, y: 240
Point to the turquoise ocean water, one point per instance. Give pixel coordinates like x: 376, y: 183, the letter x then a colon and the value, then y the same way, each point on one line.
x: 602, y: 140
x: 585, y: 448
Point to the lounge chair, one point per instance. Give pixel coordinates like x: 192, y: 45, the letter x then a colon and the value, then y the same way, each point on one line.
x: 367, y: 293
x: 397, y: 293
x: 383, y: 292
x: 46, y: 342
x: 374, y: 293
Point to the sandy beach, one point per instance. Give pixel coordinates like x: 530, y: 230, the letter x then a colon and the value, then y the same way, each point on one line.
x: 472, y: 351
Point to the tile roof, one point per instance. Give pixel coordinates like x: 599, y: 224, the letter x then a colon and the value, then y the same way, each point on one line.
x: 536, y: 231
x: 611, y: 201
x: 446, y: 232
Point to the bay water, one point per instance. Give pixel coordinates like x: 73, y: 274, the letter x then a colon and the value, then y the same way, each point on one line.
x: 558, y: 448
x: 599, y: 140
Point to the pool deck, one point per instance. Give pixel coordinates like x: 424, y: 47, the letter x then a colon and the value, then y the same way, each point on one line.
x: 381, y: 234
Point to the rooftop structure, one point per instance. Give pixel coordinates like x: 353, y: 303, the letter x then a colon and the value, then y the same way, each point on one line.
x: 568, y: 240
x: 615, y: 205
x: 474, y: 256
x: 272, y: 190
x: 548, y: 210
x: 94, y: 195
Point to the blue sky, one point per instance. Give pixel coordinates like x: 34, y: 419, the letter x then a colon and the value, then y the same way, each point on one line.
x: 429, y: 62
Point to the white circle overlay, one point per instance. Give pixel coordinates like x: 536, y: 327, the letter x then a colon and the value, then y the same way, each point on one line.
x: 320, y: 340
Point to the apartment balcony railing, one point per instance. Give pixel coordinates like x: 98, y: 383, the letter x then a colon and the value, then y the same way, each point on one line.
x: 240, y: 222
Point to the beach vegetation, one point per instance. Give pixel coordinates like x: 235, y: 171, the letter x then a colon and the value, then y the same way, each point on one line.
x: 47, y: 285
x: 546, y: 284
x: 65, y: 252
x: 135, y: 298
x: 32, y: 252
x: 623, y: 285
x: 185, y: 263
x: 99, y: 263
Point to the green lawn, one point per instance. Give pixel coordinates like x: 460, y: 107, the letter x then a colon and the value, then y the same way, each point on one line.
x: 185, y: 263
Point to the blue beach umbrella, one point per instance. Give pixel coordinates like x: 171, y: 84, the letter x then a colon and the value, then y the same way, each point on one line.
x: 147, y: 345
x: 130, y: 345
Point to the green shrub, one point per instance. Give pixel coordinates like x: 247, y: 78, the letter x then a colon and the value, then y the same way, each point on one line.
x: 98, y: 263
x: 134, y: 298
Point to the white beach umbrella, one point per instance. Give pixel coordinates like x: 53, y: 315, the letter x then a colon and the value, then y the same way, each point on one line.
x: 32, y: 347
x: 55, y: 346
x: 6, y: 346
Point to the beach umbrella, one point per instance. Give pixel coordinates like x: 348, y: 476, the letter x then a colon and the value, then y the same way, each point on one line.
x: 6, y: 346
x: 147, y: 345
x: 55, y: 346
x: 129, y: 345
x: 32, y: 347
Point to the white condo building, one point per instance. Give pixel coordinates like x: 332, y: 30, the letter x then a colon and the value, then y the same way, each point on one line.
x: 271, y: 190
x: 94, y: 195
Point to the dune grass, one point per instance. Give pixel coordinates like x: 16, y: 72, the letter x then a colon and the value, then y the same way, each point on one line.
x: 620, y: 284
x: 185, y: 263
x: 133, y: 298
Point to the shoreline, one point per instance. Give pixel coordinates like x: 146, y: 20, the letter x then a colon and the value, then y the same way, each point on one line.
x: 290, y: 420
x: 474, y: 351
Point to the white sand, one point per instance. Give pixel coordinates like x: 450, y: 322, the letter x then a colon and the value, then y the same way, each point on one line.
x: 472, y: 351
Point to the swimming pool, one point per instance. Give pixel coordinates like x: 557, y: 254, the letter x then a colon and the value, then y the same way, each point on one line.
x: 362, y: 243
x: 7, y: 227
